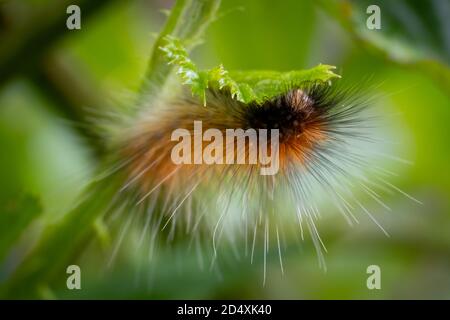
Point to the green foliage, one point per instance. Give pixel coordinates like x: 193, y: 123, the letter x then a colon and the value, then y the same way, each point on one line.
x: 62, y: 242
x: 418, y: 44
x: 30, y: 158
x: 188, y: 20
x: 16, y: 214
x: 247, y: 87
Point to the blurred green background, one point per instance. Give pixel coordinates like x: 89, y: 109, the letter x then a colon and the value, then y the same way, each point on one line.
x: 50, y: 78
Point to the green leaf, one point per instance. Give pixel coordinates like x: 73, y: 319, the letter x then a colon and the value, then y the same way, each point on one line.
x: 15, y: 215
x: 44, y: 266
x: 419, y: 48
x: 267, y: 84
x: 247, y: 87
x: 188, y: 20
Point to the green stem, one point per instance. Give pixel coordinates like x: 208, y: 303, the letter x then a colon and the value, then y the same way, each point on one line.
x: 45, y: 266
x: 61, y: 245
x: 187, y: 21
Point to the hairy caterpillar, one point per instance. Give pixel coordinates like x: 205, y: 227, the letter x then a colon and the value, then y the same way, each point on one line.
x: 321, y: 129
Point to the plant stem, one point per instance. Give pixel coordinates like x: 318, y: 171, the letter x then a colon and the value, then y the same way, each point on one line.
x: 45, y: 266
x: 188, y: 21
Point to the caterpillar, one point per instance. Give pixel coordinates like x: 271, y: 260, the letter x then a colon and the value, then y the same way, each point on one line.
x: 321, y: 127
